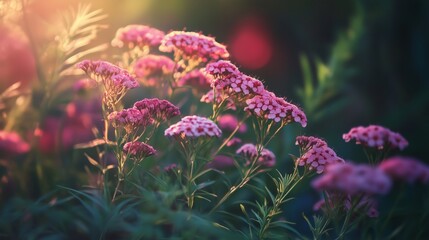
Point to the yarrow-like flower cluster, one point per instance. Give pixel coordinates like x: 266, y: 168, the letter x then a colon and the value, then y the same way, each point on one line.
x: 405, y: 169
x: 274, y: 108
x: 353, y: 180
x: 12, y: 144
x: 316, y: 154
x: 159, y: 110
x: 137, y: 36
x: 250, y: 151
x: 193, y: 46
x: 209, y: 97
x: 221, y: 68
x: 138, y: 150
x: 229, y: 122
x: 130, y: 119
x: 196, y: 79
x: 150, y: 68
x: 193, y: 127
x: 376, y: 136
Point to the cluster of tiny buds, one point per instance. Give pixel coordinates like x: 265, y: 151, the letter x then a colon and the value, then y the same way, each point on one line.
x: 159, y: 110
x: 315, y: 154
x: 130, y: 119
x: 195, y: 79
x: 264, y: 156
x: 376, y: 136
x: 193, y: 127
x: 137, y: 36
x: 138, y: 150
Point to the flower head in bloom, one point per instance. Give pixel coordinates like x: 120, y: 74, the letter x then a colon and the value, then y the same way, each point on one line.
x: 137, y: 36
x: 315, y: 153
x: 131, y: 119
x: 376, y: 136
x: 221, y: 68
x: 159, y: 110
x: 250, y: 151
x: 138, y: 150
x: 12, y: 144
x: 209, y: 97
x: 195, y: 79
x: 270, y: 107
x: 350, y: 179
x: 151, y: 68
x: 405, y: 169
x: 229, y: 122
x: 193, y: 46
x: 193, y: 127
x: 366, y: 203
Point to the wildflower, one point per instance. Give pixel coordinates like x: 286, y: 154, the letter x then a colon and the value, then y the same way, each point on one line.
x: 221, y: 68
x: 12, y: 144
x: 131, y: 119
x: 159, y: 110
x: 405, y: 169
x: 193, y: 46
x: 137, y: 36
x: 84, y: 84
x: 270, y: 107
x: 376, y: 136
x: 353, y: 180
x: 151, y: 68
x: 366, y: 203
x: 221, y: 162
x: 196, y: 79
x: 100, y: 71
x: 170, y: 167
x: 250, y: 152
x: 229, y: 122
x: 315, y: 153
x: 193, y: 127
x: 209, y: 97
x: 233, y: 141
x: 138, y: 150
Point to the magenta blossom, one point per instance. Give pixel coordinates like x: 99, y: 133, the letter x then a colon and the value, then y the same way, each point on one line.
x: 209, y: 97
x: 12, y: 144
x: 130, y: 119
x: 137, y: 36
x: 193, y: 127
x: 265, y: 157
x: 221, y: 68
x: 405, y: 169
x: 159, y: 110
x: 229, y: 122
x: 195, y: 79
x: 138, y: 150
x: 151, y: 69
x: 376, y: 136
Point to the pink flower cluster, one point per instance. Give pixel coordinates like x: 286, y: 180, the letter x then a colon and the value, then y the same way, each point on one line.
x: 150, y: 68
x: 131, y: 119
x: 138, y: 150
x: 270, y: 107
x: 158, y: 110
x: 366, y: 203
x: 229, y: 122
x: 405, y: 169
x: 196, y: 79
x: 193, y: 127
x: 250, y: 151
x: 376, y: 136
x: 12, y: 144
x: 137, y: 36
x: 221, y: 68
x: 209, y: 97
x: 353, y: 180
x: 193, y: 46
x: 315, y: 154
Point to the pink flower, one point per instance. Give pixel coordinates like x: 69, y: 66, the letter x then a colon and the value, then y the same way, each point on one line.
x: 405, y: 169
x: 137, y: 36
x: 193, y: 127
x: 250, y: 152
x: 229, y: 122
x: 270, y: 107
x: 138, y: 150
x: 220, y: 97
x: 196, y: 79
x: 233, y: 141
x: 193, y: 46
x: 84, y: 84
x: 350, y: 179
x: 376, y: 136
x: 221, y: 162
x: 366, y: 203
x: 221, y: 68
x: 159, y: 110
x: 315, y: 154
x: 151, y: 69
x: 131, y: 119
x: 12, y: 144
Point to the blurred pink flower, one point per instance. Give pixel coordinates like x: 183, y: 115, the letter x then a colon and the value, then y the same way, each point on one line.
x: 12, y: 144
x: 138, y: 150
x: 315, y: 154
x: 376, y: 136
x: 221, y: 162
x: 193, y: 127
x: 159, y: 110
x: 195, y: 79
x: 84, y: 84
x: 220, y: 97
x: 270, y: 107
x: 130, y: 119
x: 266, y: 158
x: 150, y: 69
x: 233, y: 141
x: 353, y: 180
x: 406, y: 169
x: 137, y: 36
x: 193, y: 46
x: 229, y: 122
x: 366, y: 203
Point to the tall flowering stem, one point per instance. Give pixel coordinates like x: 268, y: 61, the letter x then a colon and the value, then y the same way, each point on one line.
x: 193, y: 133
